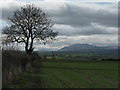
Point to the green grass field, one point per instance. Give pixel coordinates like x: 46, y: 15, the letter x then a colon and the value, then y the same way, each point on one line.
x: 82, y: 74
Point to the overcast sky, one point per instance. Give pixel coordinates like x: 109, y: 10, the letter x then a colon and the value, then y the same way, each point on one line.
x: 77, y: 22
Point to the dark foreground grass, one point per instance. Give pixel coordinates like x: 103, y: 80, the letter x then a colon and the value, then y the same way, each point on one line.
x: 71, y: 75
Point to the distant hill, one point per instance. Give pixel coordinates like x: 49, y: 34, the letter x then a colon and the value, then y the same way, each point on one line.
x: 86, y: 48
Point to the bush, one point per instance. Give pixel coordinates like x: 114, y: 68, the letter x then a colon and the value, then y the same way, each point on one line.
x: 15, y: 62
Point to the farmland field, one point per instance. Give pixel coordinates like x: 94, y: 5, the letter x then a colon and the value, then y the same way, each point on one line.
x: 82, y: 74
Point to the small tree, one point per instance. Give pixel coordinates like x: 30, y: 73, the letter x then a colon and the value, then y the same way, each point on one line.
x: 29, y: 24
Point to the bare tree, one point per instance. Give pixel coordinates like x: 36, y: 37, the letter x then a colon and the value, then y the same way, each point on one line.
x: 28, y: 25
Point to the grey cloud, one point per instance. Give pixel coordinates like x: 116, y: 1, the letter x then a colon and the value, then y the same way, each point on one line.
x: 8, y: 11
x: 88, y: 30
x: 80, y: 19
x: 74, y: 15
x: 82, y: 16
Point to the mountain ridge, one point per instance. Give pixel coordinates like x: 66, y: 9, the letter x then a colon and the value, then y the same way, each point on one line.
x: 86, y: 47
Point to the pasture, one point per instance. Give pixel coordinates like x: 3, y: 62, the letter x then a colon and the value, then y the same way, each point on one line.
x: 81, y: 74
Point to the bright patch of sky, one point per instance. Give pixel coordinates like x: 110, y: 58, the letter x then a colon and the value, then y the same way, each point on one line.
x: 3, y: 23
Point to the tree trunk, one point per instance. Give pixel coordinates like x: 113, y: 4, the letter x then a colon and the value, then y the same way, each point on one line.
x: 28, y: 49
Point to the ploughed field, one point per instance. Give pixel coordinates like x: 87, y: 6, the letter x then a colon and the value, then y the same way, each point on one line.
x: 68, y: 74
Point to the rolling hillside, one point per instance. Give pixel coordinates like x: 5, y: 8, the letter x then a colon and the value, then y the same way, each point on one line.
x: 86, y: 48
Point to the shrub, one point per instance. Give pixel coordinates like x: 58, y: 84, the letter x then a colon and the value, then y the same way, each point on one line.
x: 14, y: 62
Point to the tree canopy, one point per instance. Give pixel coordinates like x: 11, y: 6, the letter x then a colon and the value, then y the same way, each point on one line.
x: 29, y: 24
